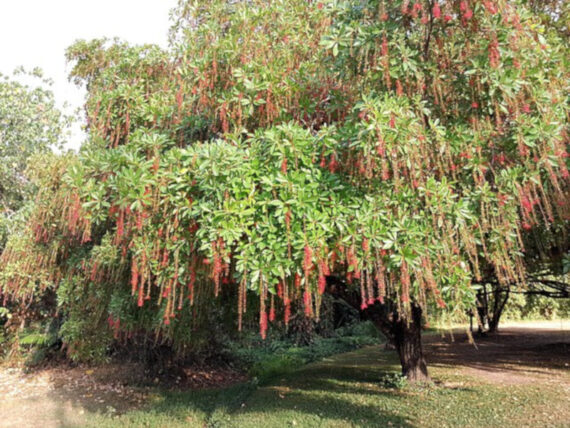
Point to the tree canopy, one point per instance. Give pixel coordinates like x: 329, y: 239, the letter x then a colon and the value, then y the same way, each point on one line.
x: 405, y: 147
x: 30, y: 123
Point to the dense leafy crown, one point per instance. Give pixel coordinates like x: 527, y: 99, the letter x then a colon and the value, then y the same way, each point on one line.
x: 30, y: 124
x: 406, y: 147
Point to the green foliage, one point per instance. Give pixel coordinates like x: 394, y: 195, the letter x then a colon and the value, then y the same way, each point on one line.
x: 35, y: 339
x: 358, y: 329
x: 30, y: 123
x: 279, y: 357
x: 554, y: 13
x: 4, y: 313
x: 88, y: 342
x: 394, y: 381
x: 536, y: 307
x: 276, y: 365
x: 33, y: 344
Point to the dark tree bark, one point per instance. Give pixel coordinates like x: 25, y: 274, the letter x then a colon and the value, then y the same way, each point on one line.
x: 408, y: 341
x: 491, y: 314
x: 498, y: 306
x: 406, y: 336
x: 404, y: 333
x: 482, y: 309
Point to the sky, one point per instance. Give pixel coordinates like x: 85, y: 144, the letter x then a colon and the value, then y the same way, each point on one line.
x: 35, y: 33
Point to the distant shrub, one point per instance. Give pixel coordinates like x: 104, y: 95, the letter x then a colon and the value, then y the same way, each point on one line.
x: 279, y: 357
x: 364, y: 329
x: 515, y: 306
x: 534, y: 307
x: 275, y: 365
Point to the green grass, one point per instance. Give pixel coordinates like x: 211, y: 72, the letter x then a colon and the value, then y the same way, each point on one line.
x: 282, y: 357
x: 344, y: 391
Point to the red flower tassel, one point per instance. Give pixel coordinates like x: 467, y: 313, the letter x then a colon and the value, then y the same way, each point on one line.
x: 263, y: 324
x: 436, y: 11
x: 322, y: 284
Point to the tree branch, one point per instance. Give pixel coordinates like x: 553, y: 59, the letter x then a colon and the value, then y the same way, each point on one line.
x: 429, y: 30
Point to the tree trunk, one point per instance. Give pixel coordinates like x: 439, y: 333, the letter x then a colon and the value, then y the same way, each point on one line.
x: 408, y: 340
x: 482, y: 309
x: 404, y: 334
x: 499, y: 305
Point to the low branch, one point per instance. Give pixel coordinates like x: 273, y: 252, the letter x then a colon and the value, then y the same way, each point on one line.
x: 428, y: 31
x: 561, y: 289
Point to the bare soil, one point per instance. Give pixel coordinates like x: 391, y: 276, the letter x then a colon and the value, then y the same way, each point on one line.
x: 519, y: 353
x: 63, y: 396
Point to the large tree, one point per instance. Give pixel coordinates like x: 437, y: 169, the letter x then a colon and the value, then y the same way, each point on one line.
x: 396, y: 150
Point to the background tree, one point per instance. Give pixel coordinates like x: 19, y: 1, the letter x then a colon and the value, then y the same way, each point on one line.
x: 555, y: 14
x: 30, y: 123
x: 392, y: 150
x: 547, y: 257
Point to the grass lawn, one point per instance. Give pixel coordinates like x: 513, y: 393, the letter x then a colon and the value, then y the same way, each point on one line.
x: 344, y: 391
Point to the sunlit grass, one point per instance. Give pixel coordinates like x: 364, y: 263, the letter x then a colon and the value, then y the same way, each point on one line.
x: 344, y: 390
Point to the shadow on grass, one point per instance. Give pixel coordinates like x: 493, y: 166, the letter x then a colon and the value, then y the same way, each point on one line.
x: 246, y: 405
x: 338, y: 389
x: 321, y: 405
x: 343, y: 390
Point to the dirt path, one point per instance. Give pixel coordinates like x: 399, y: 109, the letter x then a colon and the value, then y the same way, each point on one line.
x: 520, y: 354
x: 60, y: 397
